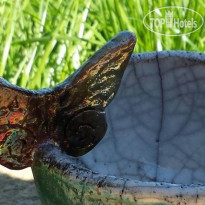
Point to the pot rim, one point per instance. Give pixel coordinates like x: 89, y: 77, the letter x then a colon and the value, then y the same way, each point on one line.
x: 152, y: 55
x: 71, y: 169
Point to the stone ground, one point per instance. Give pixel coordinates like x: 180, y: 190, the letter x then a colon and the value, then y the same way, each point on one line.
x: 17, y: 187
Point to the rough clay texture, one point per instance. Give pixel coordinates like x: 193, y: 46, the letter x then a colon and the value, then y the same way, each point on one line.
x: 63, y: 180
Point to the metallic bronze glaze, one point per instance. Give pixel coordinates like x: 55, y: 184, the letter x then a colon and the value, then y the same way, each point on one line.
x: 70, y: 115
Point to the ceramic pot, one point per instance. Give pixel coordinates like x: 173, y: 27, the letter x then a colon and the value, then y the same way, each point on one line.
x: 154, y: 148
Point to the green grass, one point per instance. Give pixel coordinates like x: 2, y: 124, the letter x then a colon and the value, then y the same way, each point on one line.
x: 42, y: 41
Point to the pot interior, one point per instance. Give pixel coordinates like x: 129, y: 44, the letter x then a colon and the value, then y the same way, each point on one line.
x: 156, y: 123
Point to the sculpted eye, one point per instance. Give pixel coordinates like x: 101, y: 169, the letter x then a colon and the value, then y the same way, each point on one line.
x: 83, y: 132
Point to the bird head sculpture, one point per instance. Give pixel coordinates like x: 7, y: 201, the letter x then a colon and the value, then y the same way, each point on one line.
x: 70, y: 115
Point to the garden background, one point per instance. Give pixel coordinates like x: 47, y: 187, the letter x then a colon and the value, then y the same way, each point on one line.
x: 44, y: 41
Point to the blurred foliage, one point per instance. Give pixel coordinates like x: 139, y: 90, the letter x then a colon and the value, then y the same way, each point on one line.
x: 43, y: 41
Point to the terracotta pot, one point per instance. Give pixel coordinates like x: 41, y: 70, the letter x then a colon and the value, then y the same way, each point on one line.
x: 153, y: 151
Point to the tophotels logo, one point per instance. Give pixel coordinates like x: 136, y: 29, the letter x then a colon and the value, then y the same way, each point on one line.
x: 173, y: 21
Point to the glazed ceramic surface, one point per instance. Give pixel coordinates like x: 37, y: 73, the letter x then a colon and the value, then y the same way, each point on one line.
x: 153, y: 151
x: 156, y: 122
x: 70, y: 115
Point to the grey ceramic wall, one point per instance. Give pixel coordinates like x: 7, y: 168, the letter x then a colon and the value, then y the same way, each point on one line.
x: 156, y: 123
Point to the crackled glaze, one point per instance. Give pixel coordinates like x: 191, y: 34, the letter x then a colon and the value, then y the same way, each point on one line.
x: 153, y: 151
x: 158, y: 118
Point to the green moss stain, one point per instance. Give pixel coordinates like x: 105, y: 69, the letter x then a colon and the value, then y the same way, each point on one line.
x: 56, y: 189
